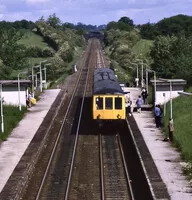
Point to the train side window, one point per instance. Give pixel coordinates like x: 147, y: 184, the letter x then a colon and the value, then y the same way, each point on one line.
x: 99, y: 103
x: 118, y: 103
x: 108, y: 103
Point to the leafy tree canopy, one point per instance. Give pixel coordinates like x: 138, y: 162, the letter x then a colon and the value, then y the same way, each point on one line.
x: 126, y: 20
x: 12, y: 54
x: 177, y: 25
x: 172, y: 57
x: 124, y: 24
x: 54, y: 21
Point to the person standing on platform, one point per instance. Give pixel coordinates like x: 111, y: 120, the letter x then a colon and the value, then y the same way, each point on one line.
x: 144, y: 95
x: 139, y: 104
x: 29, y: 99
x: 161, y: 115
x: 157, y: 116
x: 27, y: 102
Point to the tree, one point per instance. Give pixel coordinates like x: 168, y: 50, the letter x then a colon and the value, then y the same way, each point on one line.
x: 54, y: 21
x: 149, y: 31
x: 112, y: 25
x: 12, y: 54
x: 126, y: 20
x: 172, y: 57
x: 176, y: 25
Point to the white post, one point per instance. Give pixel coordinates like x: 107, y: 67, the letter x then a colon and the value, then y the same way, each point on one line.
x: 45, y: 78
x: 45, y: 71
x: 36, y: 79
x: 171, y: 109
x: 142, y: 74
x: 137, y: 82
x: 147, y: 82
x: 141, y: 62
x: 170, y: 85
x: 41, y: 88
x: 1, y: 98
x: 155, y: 87
x: 19, y: 89
x: 19, y: 92
x: 164, y: 103
x: 32, y: 82
x: 75, y: 68
x: 137, y: 78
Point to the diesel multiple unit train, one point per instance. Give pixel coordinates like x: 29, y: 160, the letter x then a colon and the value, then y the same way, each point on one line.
x: 108, y: 96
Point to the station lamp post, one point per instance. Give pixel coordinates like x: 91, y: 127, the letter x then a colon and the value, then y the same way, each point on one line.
x: 36, y: 79
x: 170, y: 88
x: 137, y: 78
x: 41, y: 88
x: 141, y: 62
x: 33, y: 78
x: 1, y: 99
x: 155, y: 87
x: 146, y: 76
x: 19, y: 88
x: 45, y: 73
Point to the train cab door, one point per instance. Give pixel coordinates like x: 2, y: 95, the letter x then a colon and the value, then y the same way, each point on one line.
x: 98, y: 107
x: 119, y: 107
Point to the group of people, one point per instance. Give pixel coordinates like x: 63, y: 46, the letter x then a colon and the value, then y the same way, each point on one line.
x: 158, y: 121
x: 142, y: 100
x: 158, y: 114
x: 139, y: 102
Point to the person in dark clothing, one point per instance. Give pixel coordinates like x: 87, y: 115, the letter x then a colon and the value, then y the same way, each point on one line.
x: 144, y: 95
x: 161, y: 115
x: 27, y: 102
x: 139, y: 104
x: 157, y: 116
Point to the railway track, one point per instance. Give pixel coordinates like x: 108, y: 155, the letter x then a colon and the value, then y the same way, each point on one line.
x: 62, y: 190
x: 61, y: 139
x: 76, y: 163
x: 116, y: 183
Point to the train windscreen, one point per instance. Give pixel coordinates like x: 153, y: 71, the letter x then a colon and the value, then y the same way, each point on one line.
x: 109, y: 103
x: 118, y: 103
x: 99, y: 102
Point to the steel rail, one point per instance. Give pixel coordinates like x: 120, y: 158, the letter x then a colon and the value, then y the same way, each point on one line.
x: 59, y: 134
x: 102, y: 59
x: 76, y: 138
x: 140, y: 158
x: 125, y: 167
x: 101, y: 166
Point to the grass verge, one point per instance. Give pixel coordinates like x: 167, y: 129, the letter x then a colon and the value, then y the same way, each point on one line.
x: 182, y: 116
x: 12, y: 116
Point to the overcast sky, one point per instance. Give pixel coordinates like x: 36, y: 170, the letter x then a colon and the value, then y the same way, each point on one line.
x: 95, y: 12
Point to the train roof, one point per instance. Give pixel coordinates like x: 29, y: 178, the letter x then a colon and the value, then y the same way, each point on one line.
x: 105, y: 82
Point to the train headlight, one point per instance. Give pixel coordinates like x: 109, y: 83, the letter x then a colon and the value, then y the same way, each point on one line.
x: 98, y: 116
x: 118, y: 116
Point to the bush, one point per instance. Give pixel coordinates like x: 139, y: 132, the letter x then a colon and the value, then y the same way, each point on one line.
x: 47, y: 52
x: 34, y: 51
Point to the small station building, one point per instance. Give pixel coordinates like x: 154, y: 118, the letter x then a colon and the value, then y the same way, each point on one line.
x: 10, y: 92
x: 167, y: 89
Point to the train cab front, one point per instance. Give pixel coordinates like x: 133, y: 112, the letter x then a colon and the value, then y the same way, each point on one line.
x: 108, y: 109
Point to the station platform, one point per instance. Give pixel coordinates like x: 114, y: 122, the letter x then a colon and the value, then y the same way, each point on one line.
x: 165, y: 156
x: 14, y: 147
